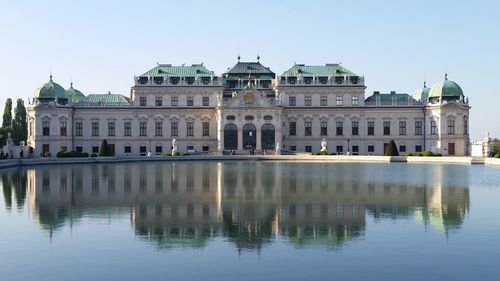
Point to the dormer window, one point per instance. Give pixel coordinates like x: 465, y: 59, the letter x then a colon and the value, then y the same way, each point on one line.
x: 339, y: 80
x: 308, y: 80
x: 354, y: 79
x: 158, y: 80
x: 143, y: 80
x: 292, y: 80
x: 189, y: 80
x: 174, y: 80
x: 205, y: 80
x: 323, y: 80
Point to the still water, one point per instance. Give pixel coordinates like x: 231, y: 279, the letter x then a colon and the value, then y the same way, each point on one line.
x: 250, y: 220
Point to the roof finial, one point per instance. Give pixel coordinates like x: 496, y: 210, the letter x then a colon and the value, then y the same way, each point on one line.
x: 258, y: 55
x: 239, y: 57
x: 425, y: 84
x: 446, y: 76
x: 50, y: 73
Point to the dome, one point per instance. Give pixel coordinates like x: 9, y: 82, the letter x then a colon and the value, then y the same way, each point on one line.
x: 446, y: 89
x: 421, y: 94
x: 73, y: 94
x: 50, y: 90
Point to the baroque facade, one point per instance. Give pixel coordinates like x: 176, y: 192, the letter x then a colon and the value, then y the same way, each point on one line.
x: 249, y: 107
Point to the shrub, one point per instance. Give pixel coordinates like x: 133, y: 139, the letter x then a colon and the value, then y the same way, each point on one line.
x: 438, y: 154
x: 182, y: 154
x: 166, y: 154
x: 104, y: 149
x: 93, y: 155
x: 66, y: 154
x: 410, y: 154
x: 332, y: 153
x: 391, y: 149
x: 497, y: 155
x: 427, y: 153
x: 419, y: 154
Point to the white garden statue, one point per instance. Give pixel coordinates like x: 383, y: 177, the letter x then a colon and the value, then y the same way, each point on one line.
x: 278, y: 148
x: 174, y: 147
x: 324, y: 146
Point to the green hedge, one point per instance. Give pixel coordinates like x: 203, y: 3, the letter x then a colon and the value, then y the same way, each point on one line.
x: 497, y: 155
x: 66, y: 154
x: 176, y: 154
x: 425, y: 154
x: 323, y: 153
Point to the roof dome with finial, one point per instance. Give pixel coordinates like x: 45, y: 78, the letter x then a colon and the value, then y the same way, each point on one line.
x: 73, y: 94
x: 446, y: 89
x: 422, y: 94
x: 50, y: 90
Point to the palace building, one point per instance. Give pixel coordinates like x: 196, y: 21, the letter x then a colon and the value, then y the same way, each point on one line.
x: 249, y: 107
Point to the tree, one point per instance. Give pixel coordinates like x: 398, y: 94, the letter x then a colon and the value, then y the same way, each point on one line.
x: 104, y: 149
x: 4, y: 133
x: 391, y: 149
x: 7, y: 114
x: 19, y: 124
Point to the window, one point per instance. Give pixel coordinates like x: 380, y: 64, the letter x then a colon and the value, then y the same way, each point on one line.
x: 371, y: 128
x: 174, y: 129
x: 355, y: 149
x: 142, y: 101
x: 466, y: 127
x: 127, y: 149
x: 340, y: 149
x: 205, y: 129
x: 402, y: 148
x: 142, y: 129
x: 433, y: 128
x: 206, y: 101
x: 308, y: 148
x: 339, y: 100
x: 323, y: 101
x: 158, y: 129
x: 159, y: 101
x: 190, y: 129
x: 31, y: 126
x: 293, y: 128
x: 308, y: 128
x: 355, y: 101
x: 111, y: 129
x: 79, y: 149
x: 293, y: 148
x: 402, y: 128
x: 340, y: 128
x: 205, y: 148
x: 418, y: 128
x: 190, y: 101
x: 158, y: 149
x: 418, y: 148
x: 142, y: 151
x: 174, y: 101
x: 95, y: 149
x: 355, y: 128
x: 63, y: 129
x: 387, y: 128
x: 307, y: 100
x: 127, y: 129
x: 324, y: 128
x: 291, y: 101
x: 371, y: 148
x: 79, y: 129
x: 46, y: 128
x: 95, y: 129
x: 451, y: 127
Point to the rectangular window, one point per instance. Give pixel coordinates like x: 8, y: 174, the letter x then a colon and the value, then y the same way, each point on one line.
x: 158, y: 129
x: 111, y: 129
x: 190, y: 129
x: 79, y: 149
x: 307, y: 128
x: 142, y: 151
x: 293, y: 128
x: 387, y: 128
x: 418, y: 148
x: 340, y: 149
x: 323, y: 101
x: 79, y: 129
x: 64, y: 128
x: 355, y: 101
x: 402, y: 148
x: 307, y: 100
x: 355, y: 128
x: 433, y: 128
x: 324, y: 128
x: 291, y: 101
x: 308, y: 148
x: 46, y: 128
x: 340, y: 128
x: 355, y: 149
x: 205, y: 129
x: 95, y: 149
x: 339, y: 100
x: 206, y: 101
x: 95, y: 129
x: 371, y: 148
x: 205, y: 148
x: 174, y: 101
x: 174, y: 129
x: 127, y: 129
x: 371, y: 128
x: 451, y: 127
x: 142, y: 101
x: 402, y: 128
x: 466, y: 127
x: 159, y: 101
x: 143, y: 129
x: 190, y: 101
x: 418, y: 128
x: 127, y: 149
x: 158, y: 149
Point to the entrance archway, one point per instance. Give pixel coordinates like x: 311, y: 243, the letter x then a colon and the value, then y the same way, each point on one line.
x: 249, y: 136
x: 230, y: 137
x: 267, y: 136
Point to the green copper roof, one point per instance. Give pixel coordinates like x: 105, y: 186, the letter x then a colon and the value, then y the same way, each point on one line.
x: 50, y: 90
x: 387, y: 98
x: 74, y: 95
x: 447, y: 89
x: 255, y: 69
x: 167, y: 70
x: 318, y: 70
x: 107, y: 99
x: 421, y: 94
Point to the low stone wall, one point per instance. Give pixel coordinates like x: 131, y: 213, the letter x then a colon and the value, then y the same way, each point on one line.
x: 492, y: 161
x: 443, y: 159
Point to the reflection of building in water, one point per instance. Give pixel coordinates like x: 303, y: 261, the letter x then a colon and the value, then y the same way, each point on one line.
x: 248, y: 203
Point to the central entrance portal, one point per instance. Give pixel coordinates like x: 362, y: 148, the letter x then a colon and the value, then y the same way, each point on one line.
x: 267, y: 136
x: 249, y: 136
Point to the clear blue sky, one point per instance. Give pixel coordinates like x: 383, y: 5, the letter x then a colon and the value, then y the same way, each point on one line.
x: 101, y: 45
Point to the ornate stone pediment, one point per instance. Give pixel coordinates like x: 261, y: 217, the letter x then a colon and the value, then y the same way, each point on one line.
x: 249, y: 97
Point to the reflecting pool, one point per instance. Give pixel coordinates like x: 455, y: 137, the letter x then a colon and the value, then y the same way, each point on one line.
x: 249, y: 220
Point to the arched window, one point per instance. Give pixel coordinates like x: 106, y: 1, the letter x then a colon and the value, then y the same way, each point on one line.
x: 230, y: 136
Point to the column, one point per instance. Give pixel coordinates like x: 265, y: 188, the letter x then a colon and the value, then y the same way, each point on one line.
x: 258, y: 136
x: 240, y: 137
